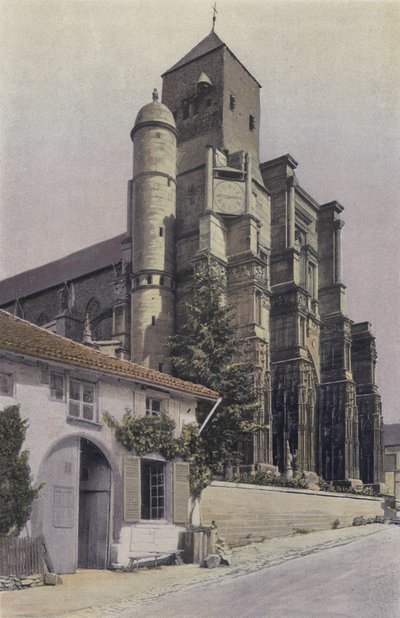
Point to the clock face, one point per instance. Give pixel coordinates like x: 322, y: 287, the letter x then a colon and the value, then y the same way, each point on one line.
x: 229, y: 197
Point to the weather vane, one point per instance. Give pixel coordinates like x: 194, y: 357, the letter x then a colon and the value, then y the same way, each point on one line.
x: 214, y: 15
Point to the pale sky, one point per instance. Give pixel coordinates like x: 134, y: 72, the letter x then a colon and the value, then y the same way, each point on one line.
x: 73, y: 74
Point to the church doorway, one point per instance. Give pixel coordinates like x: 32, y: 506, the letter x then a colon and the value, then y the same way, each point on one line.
x: 94, y: 507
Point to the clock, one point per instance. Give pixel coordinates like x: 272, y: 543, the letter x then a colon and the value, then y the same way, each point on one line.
x: 229, y: 197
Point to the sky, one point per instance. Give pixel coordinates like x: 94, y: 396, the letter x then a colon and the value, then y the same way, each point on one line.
x: 73, y: 74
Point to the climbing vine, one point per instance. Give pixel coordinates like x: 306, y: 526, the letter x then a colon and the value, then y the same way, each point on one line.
x: 155, y: 434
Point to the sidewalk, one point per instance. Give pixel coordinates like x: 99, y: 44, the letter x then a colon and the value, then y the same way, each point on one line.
x: 105, y: 593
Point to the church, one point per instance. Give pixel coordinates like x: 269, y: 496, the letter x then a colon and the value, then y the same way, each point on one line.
x: 199, y: 192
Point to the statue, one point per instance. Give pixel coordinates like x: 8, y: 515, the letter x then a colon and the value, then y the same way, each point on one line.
x: 289, y: 459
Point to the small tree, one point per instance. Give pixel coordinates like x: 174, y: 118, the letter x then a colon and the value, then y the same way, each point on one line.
x: 16, y: 490
x: 206, y: 350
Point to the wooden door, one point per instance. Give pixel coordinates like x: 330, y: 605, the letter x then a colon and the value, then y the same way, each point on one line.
x: 94, y: 509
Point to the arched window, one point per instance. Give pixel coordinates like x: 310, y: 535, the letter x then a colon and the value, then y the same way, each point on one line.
x: 92, y: 308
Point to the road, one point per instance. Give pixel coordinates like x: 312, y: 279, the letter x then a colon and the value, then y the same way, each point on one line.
x: 359, y: 579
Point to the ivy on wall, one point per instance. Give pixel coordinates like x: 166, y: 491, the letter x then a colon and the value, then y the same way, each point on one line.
x: 155, y: 434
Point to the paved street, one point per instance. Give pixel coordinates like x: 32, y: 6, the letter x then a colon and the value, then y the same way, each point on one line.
x: 361, y: 579
x: 352, y: 572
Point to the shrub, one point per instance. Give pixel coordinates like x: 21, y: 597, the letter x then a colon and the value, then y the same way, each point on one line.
x: 16, y: 490
x: 269, y: 478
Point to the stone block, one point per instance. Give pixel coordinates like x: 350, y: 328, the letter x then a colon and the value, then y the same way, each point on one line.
x: 212, y: 561
x: 52, y: 579
x: 31, y: 581
x: 263, y: 467
x: 312, y: 480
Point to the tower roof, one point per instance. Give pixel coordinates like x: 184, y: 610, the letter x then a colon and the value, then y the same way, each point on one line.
x: 210, y: 43
x: 206, y: 45
x: 154, y: 113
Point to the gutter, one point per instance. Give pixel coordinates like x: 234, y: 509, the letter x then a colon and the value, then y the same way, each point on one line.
x: 210, y: 414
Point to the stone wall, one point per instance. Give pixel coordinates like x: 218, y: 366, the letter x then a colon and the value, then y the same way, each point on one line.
x: 245, y: 512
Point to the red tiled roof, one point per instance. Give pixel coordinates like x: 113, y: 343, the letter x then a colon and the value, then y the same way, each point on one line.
x: 20, y: 336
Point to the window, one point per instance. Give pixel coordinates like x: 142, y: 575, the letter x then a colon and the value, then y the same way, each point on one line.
x: 160, y: 367
x: 161, y: 232
x: 81, y: 400
x: 161, y: 280
x: 153, y: 320
x: 302, y: 331
x: 258, y: 308
x: 153, y: 406
x: 185, y: 109
x: 6, y: 384
x: 153, y: 490
x: 252, y: 123
x: 57, y: 386
x: 195, y: 106
x: 137, y: 281
x: 149, y: 279
x: 232, y: 102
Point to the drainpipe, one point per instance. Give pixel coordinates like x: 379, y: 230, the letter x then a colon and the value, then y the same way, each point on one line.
x: 210, y: 414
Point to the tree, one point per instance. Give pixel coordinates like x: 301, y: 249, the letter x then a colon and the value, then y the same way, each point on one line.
x: 206, y: 350
x: 16, y: 490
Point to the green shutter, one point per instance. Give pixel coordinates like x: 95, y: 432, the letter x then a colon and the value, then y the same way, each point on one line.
x: 181, y: 492
x: 132, y: 491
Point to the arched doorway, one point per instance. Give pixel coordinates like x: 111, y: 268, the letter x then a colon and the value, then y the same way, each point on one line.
x: 94, y: 507
x: 73, y: 508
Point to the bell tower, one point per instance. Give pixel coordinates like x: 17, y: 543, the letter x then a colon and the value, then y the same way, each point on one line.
x: 222, y: 207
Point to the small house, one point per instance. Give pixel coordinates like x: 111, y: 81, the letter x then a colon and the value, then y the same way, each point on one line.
x: 99, y: 503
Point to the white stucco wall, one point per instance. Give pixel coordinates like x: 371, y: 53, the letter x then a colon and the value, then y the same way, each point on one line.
x: 49, y: 424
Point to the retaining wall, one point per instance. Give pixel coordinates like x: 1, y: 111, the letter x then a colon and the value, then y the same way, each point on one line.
x: 245, y: 512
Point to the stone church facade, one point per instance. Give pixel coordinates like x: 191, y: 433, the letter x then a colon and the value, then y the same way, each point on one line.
x: 199, y: 192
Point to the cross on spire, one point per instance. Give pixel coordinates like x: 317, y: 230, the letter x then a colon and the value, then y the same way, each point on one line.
x: 215, y: 13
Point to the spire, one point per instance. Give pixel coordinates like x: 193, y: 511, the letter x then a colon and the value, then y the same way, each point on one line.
x: 214, y: 19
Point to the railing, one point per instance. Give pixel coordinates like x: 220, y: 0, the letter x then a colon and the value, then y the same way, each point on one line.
x: 23, y: 556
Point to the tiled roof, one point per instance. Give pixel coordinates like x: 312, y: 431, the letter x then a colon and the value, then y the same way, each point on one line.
x: 391, y: 434
x: 22, y: 337
x: 70, y: 267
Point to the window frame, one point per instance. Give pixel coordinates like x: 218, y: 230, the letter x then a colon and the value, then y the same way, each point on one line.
x: 10, y: 382
x: 81, y: 402
x: 153, y: 496
x: 58, y: 374
x: 149, y: 410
